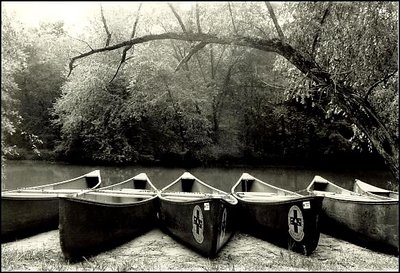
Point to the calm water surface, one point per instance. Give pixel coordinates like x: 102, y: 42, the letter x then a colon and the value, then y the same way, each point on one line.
x: 33, y: 173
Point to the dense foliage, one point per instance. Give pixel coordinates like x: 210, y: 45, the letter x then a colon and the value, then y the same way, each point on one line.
x: 227, y: 104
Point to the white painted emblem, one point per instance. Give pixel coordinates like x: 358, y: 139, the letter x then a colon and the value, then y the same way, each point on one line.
x: 306, y: 205
x: 206, y: 206
x: 198, y: 224
x: 296, y: 223
x: 223, y: 227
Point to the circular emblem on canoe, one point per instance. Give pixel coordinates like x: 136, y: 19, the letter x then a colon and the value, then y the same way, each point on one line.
x: 223, y: 226
x: 296, y: 223
x: 198, y: 224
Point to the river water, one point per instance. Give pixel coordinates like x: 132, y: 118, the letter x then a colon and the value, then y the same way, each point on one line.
x: 32, y: 173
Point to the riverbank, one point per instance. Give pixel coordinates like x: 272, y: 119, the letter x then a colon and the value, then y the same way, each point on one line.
x: 156, y: 251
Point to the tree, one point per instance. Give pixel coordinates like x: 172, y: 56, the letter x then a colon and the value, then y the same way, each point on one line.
x: 346, y: 93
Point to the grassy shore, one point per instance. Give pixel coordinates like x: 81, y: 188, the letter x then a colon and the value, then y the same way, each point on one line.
x: 156, y: 251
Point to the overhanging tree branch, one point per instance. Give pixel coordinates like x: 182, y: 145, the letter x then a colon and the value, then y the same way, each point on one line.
x: 303, y: 63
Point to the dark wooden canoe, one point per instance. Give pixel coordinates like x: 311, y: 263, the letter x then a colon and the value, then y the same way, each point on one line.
x: 198, y: 215
x: 31, y: 210
x: 368, y: 189
x: 101, y: 219
x: 282, y: 217
x: 368, y: 221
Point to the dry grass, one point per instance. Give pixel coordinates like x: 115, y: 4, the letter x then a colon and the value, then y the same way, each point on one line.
x: 156, y: 251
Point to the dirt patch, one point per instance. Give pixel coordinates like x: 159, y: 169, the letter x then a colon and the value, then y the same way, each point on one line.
x: 156, y: 251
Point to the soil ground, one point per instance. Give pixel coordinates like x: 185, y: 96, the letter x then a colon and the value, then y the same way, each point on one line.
x: 157, y: 251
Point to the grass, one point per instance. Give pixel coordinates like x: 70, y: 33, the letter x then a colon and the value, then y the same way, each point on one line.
x: 156, y: 251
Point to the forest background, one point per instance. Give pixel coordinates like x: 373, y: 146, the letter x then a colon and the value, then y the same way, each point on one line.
x: 191, y: 102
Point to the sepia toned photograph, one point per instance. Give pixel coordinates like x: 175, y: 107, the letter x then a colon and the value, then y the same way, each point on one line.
x: 199, y: 136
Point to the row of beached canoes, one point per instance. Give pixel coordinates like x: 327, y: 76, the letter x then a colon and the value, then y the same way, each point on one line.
x: 92, y: 219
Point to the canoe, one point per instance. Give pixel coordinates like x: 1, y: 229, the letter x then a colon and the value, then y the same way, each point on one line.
x: 368, y: 221
x: 31, y: 210
x: 196, y: 214
x: 368, y: 189
x: 280, y: 216
x: 104, y: 218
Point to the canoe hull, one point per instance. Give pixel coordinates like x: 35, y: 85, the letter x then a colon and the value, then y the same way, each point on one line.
x: 24, y: 217
x: 87, y: 228
x: 292, y: 223
x: 370, y: 224
x: 204, y: 225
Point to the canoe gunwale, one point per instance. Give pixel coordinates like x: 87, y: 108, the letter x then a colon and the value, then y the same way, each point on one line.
x: 59, y: 183
x: 107, y: 204
x: 197, y: 200
x: 361, y: 202
x: 274, y: 201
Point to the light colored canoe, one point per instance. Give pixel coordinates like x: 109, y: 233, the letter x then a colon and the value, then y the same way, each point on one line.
x: 369, y: 221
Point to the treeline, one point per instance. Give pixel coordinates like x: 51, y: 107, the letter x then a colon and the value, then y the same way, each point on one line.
x: 229, y: 105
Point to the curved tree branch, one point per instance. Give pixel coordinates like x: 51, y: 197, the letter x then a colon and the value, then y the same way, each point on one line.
x: 303, y: 63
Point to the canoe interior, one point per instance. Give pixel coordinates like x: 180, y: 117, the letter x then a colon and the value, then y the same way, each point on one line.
x: 135, y: 189
x: 249, y: 188
x: 189, y: 188
x: 90, y: 180
x: 367, y: 189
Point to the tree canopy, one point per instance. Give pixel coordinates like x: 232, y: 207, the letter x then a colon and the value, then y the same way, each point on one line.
x: 237, y: 79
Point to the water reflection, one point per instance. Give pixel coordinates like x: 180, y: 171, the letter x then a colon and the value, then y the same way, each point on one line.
x: 32, y: 173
